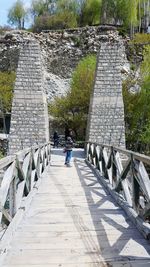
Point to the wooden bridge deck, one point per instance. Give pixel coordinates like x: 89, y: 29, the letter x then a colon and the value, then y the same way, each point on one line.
x: 73, y: 222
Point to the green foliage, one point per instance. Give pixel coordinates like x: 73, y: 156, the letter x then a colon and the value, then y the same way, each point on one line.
x: 60, y: 17
x: 1, y: 154
x: 140, y: 38
x: 53, y: 14
x: 130, y: 16
x: 67, y: 5
x: 108, y: 9
x: 16, y: 14
x: 58, y: 21
x: 6, y: 90
x: 72, y: 109
x: 119, y: 10
x: 82, y: 82
x: 145, y: 68
x: 90, y: 12
x: 37, y: 8
x: 137, y: 109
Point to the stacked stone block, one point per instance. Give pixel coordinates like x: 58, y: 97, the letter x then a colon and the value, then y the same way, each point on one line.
x: 106, y: 112
x: 29, y: 117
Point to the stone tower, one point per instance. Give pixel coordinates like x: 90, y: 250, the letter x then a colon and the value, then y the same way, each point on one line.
x: 29, y: 117
x: 106, y: 112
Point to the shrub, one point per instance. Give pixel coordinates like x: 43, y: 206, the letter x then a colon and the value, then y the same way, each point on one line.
x: 72, y: 109
x: 6, y: 90
x: 53, y: 22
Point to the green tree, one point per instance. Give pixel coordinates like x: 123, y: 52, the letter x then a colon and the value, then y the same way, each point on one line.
x: 131, y: 16
x: 66, y: 12
x: 123, y: 12
x: 108, y: 8
x: 145, y: 71
x: 37, y: 8
x: 137, y: 109
x: 72, y: 109
x: 58, y: 14
x: 143, y: 14
x: 6, y: 90
x: 17, y: 14
x: 90, y: 12
x: 41, y: 7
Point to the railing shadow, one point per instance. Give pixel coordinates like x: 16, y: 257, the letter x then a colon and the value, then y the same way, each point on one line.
x: 117, y: 238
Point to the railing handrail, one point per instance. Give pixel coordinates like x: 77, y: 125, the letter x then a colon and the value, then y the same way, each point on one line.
x: 19, y: 173
x: 127, y: 178
x: 136, y: 155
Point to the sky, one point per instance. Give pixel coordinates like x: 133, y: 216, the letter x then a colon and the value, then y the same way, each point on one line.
x: 5, y: 5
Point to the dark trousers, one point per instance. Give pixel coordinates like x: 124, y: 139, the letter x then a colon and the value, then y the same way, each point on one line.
x: 68, y: 156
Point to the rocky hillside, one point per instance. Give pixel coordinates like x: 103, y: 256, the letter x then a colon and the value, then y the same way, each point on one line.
x: 61, y: 52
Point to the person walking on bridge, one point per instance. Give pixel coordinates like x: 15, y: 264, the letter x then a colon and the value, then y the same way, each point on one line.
x: 56, y: 139
x: 68, y: 151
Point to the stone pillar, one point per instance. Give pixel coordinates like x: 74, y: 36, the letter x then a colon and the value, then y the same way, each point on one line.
x: 106, y: 112
x: 29, y: 117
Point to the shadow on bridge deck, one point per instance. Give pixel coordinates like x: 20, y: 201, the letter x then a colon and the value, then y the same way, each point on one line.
x: 120, y: 243
x: 74, y: 222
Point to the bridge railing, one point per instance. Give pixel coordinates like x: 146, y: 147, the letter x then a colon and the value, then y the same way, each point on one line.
x: 18, y: 176
x: 126, y: 172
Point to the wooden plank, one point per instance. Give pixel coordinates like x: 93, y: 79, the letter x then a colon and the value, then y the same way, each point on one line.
x: 19, y: 195
x: 6, y: 161
x: 33, y: 178
x: 143, y: 227
x: 57, y: 231
x: 36, y: 155
x: 123, y: 175
x: 144, y: 180
x: 12, y: 197
x: 100, y: 234
x: 9, y: 234
x: 124, y: 182
x: 130, y: 263
x: 7, y: 179
x: 26, y: 163
x: 137, y: 156
x: 114, y: 247
x: 108, y: 170
x: 4, y: 212
x: 20, y: 173
x: 62, y: 256
x: 42, y: 154
x: 40, y: 169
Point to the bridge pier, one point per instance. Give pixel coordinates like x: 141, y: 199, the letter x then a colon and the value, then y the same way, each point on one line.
x: 106, y: 112
x: 29, y: 119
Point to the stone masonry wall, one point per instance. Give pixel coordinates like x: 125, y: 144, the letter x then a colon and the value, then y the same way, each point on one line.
x: 61, y: 50
x: 106, y: 114
x: 29, y: 119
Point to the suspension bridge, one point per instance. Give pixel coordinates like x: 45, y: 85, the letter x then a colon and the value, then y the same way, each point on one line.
x: 61, y: 216
x: 94, y: 213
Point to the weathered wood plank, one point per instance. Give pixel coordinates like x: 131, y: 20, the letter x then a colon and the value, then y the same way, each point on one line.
x: 26, y: 163
x: 57, y: 231
x: 144, y: 180
x: 62, y: 256
x: 135, y: 263
x: 136, y: 188
x: 6, y: 161
x: 7, y: 179
x: 19, y: 194
x: 124, y: 182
